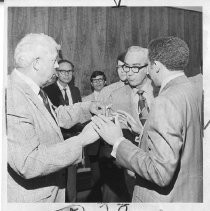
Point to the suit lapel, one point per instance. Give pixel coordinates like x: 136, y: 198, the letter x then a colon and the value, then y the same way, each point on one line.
x: 73, y: 94
x: 60, y: 95
x: 36, y: 101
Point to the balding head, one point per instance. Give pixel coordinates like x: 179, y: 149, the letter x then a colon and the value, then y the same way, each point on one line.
x: 33, y: 46
x: 136, y: 65
x: 136, y: 55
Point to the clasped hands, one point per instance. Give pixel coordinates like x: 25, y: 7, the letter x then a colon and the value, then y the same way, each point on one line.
x: 108, y: 127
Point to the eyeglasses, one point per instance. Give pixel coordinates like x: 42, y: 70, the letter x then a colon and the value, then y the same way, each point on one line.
x: 134, y: 69
x: 119, y: 66
x: 63, y: 72
x: 100, y: 80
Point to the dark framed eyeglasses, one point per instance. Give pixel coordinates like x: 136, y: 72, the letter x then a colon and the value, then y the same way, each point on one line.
x: 134, y: 69
x: 63, y: 72
x: 99, y: 80
x: 119, y: 66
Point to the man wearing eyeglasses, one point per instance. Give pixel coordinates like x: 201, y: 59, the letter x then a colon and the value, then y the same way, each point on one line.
x: 64, y: 92
x: 128, y: 99
x: 139, y: 90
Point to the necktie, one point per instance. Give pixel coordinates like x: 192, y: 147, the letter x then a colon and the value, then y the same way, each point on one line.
x: 43, y: 95
x: 66, y: 99
x: 143, y: 108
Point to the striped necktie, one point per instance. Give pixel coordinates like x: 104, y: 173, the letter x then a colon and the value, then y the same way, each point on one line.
x: 43, y: 95
x: 143, y: 108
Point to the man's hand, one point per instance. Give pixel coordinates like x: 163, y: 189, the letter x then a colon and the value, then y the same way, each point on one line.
x: 128, y: 120
x: 108, y: 130
x: 97, y: 108
x: 88, y: 135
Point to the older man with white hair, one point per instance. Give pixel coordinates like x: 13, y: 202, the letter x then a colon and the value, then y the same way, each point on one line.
x: 37, y: 152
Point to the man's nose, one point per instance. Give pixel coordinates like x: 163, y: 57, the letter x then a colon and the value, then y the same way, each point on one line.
x: 56, y: 65
x: 129, y: 73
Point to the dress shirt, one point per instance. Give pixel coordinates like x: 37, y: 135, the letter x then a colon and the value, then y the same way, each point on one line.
x: 68, y: 91
x: 148, y: 94
x: 96, y: 94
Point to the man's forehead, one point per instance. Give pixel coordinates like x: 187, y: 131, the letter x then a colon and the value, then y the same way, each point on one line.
x: 65, y: 66
x: 98, y: 76
x: 136, y: 58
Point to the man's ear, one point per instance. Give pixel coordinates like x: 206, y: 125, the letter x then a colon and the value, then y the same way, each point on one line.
x: 36, y: 64
x: 158, y: 65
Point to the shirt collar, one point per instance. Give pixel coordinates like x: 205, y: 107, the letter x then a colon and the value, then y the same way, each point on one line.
x: 61, y: 87
x: 29, y: 81
x: 170, y: 78
x: 145, y: 88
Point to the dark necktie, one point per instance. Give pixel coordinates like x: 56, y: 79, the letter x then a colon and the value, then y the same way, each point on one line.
x: 43, y: 95
x: 66, y: 99
x: 143, y: 108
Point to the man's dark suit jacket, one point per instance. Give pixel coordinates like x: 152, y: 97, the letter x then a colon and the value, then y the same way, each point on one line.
x: 56, y: 97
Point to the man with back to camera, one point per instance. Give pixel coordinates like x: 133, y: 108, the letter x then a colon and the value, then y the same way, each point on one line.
x: 168, y: 161
x: 64, y: 92
x: 37, y: 153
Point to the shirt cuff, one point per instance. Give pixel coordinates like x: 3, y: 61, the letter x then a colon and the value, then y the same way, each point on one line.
x: 115, y: 146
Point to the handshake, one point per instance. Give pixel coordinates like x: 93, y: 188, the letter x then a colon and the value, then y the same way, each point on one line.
x: 107, y: 125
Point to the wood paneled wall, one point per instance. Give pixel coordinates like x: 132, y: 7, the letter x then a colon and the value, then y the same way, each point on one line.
x: 92, y: 37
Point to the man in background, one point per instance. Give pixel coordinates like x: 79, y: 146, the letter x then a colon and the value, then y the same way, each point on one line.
x: 37, y: 152
x: 106, y: 91
x: 64, y: 92
x: 97, y: 81
x: 92, y: 151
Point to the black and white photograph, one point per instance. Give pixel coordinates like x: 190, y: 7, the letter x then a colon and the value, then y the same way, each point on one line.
x: 104, y: 107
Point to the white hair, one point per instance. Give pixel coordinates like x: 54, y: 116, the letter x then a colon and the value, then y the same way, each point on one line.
x: 137, y: 51
x: 31, y: 46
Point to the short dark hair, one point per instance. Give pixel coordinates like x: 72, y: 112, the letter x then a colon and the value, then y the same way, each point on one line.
x: 97, y: 73
x: 171, y: 51
x: 66, y: 61
x: 121, y: 57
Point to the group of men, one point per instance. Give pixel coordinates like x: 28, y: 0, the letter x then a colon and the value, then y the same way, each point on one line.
x: 154, y: 100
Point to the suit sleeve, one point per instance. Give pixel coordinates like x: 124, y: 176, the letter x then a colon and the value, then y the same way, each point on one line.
x: 79, y: 98
x: 68, y: 116
x: 164, y: 142
x: 28, y: 156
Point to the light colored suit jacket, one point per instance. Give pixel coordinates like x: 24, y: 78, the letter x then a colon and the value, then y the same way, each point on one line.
x: 105, y: 93
x: 122, y: 99
x: 89, y: 97
x: 168, y: 162
x: 37, y: 152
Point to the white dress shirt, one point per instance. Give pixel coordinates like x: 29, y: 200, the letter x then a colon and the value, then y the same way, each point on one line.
x: 96, y: 94
x: 68, y: 91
